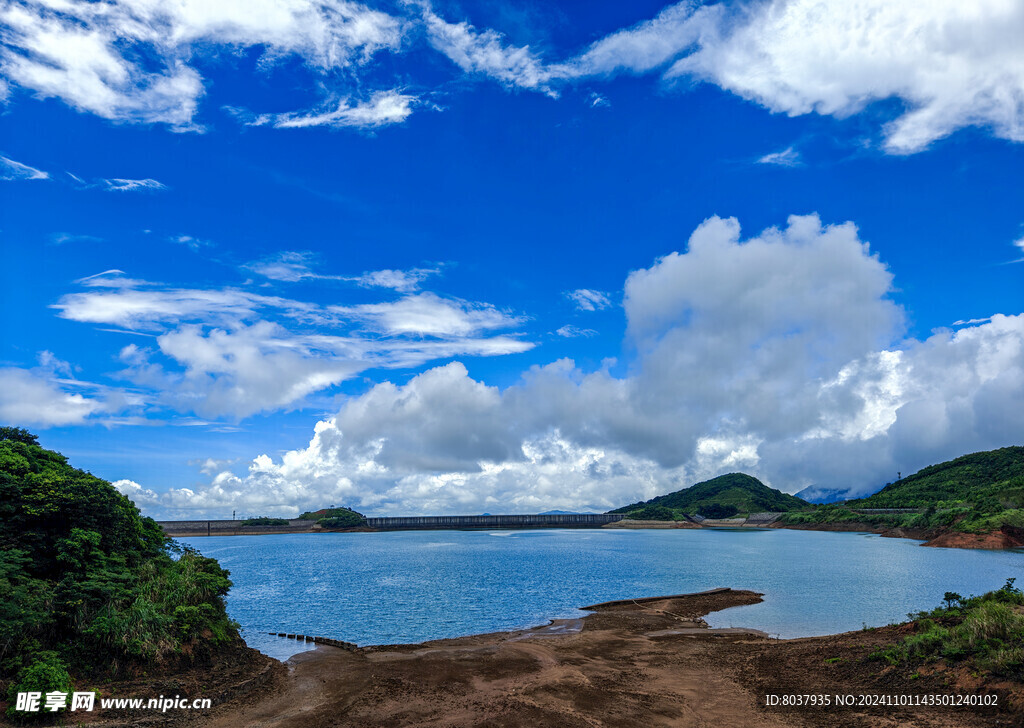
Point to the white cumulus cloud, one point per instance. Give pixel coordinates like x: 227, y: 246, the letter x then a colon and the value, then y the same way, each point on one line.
x: 780, y: 354
x: 952, y: 64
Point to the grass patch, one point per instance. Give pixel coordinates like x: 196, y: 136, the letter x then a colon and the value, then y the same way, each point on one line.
x: 985, y: 632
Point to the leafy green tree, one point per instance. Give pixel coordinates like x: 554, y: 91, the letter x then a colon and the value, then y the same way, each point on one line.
x: 716, y: 510
x: 18, y: 434
x: 85, y: 576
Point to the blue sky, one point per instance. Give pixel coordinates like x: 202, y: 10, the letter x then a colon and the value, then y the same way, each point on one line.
x: 508, y: 256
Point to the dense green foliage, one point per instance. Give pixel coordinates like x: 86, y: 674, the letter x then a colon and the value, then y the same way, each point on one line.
x: 975, y: 493
x: 18, y: 434
x: 717, y: 510
x: 335, y: 518
x: 994, y: 479
x: 265, y: 521
x: 735, y: 493
x: 985, y: 631
x: 87, y: 585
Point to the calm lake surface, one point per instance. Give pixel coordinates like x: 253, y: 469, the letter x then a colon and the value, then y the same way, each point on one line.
x: 410, y: 586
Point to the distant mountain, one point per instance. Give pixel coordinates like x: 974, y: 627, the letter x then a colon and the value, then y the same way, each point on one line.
x: 721, y: 497
x: 559, y: 513
x: 815, y: 494
x: 992, y: 479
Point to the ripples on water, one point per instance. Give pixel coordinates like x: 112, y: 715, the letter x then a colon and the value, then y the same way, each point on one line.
x: 410, y: 586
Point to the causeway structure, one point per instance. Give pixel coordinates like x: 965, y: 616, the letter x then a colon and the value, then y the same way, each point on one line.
x: 402, y: 523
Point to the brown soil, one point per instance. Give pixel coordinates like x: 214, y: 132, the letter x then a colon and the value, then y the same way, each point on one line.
x: 858, y: 527
x: 1008, y: 537
x: 1003, y: 539
x: 235, y: 673
x: 644, y: 663
x: 631, y: 523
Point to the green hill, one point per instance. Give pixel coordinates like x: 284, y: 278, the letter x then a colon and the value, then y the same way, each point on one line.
x: 993, y: 479
x: 977, y: 493
x: 721, y: 497
x: 335, y: 518
x: 89, y: 589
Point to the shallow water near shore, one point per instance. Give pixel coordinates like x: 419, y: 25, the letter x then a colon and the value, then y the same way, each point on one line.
x: 411, y: 586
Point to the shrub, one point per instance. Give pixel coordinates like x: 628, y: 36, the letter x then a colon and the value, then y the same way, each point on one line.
x: 988, y: 630
x: 265, y: 521
x: 347, y: 520
x: 47, y: 673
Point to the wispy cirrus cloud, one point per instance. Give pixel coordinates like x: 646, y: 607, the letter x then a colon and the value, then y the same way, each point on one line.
x: 788, y: 157
x: 117, y: 184
x: 291, y: 266
x: 64, y: 238
x: 288, y: 266
x: 11, y: 170
x: 397, y: 280
x: 230, y: 352
x: 587, y: 299
x: 486, y: 53
x: 381, y: 109
x: 573, y: 332
x: 1019, y: 244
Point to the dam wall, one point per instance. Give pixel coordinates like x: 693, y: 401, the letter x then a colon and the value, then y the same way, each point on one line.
x: 402, y: 523
x: 574, y: 520
x: 231, y: 528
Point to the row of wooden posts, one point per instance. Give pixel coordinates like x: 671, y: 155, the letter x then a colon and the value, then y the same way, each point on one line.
x: 317, y: 640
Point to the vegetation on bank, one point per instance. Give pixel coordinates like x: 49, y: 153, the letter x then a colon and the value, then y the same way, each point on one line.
x: 722, y: 497
x: 985, y: 633
x: 265, y: 521
x: 335, y: 518
x: 90, y: 589
x: 976, y: 493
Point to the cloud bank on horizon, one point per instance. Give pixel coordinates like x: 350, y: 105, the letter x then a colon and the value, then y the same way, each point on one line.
x: 950, y: 64
x: 781, y: 355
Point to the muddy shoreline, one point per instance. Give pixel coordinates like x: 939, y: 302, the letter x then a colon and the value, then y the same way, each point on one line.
x: 643, y: 663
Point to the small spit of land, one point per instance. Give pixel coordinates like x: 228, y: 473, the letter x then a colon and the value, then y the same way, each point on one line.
x: 648, y: 662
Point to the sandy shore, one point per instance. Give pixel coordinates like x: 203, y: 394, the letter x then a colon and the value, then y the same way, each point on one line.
x: 648, y: 662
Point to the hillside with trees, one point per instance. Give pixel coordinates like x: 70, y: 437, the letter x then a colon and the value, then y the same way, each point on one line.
x: 980, y: 493
x: 91, y: 591
x: 728, y: 495
x: 335, y: 518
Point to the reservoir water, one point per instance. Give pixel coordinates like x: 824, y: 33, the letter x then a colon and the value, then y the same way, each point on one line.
x: 410, y: 586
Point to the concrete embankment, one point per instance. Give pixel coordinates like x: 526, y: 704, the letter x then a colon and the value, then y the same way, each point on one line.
x: 232, y: 528
x: 184, y: 529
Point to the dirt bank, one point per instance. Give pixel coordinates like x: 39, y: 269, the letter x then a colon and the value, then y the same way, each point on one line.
x: 631, y: 523
x: 1008, y: 537
x: 650, y: 662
